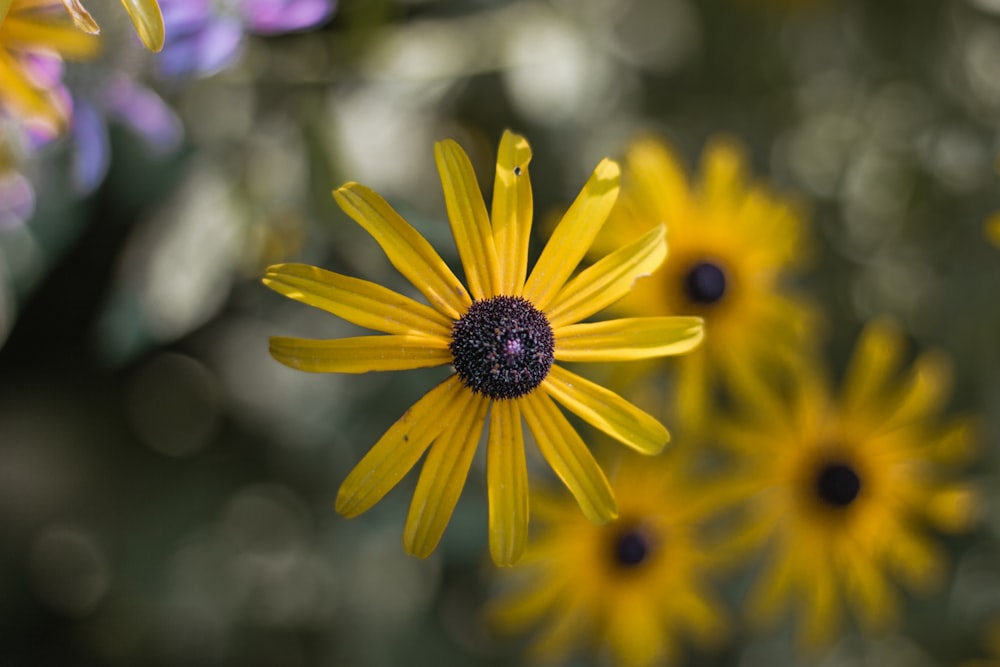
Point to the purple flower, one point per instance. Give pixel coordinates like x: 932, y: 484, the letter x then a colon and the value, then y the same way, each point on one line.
x: 122, y: 100
x: 200, y: 41
x: 272, y: 17
x: 205, y: 36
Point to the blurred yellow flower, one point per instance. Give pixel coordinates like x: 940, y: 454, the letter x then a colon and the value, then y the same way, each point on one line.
x: 31, y: 31
x: 731, y: 243
x: 993, y: 647
x: 501, y: 337
x: 992, y: 229
x: 839, y: 491
x: 634, y: 586
x: 145, y: 14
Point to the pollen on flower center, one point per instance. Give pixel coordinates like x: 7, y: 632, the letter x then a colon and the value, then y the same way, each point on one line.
x: 838, y: 485
x: 705, y: 283
x: 502, y: 347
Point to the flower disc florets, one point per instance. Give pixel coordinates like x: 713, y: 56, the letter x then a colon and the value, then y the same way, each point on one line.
x: 705, y: 283
x: 503, y: 347
x: 837, y: 485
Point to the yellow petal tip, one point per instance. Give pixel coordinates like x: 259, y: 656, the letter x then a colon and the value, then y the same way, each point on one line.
x: 81, y: 17
x: 607, y: 170
x: 515, y: 149
x: 507, y: 555
x: 345, y: 505
x: 148, y: 22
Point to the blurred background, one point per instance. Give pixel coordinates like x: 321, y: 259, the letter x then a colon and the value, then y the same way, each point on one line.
x: 166, y: 487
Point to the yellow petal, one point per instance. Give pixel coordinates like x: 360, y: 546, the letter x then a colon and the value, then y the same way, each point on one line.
x: 573, y: 236
x: 399, y: 449
x: 512, y: 211
x: 507, y: 484
x: 24, y: 98
x: 359, y: 301
x: 564, y: 627
x: 919, y: 563
x: 875, y: 358
x: 361, y: 354
x: 406, y: 249
x: 659, y: 184
x: 701, y: 616
x: 723, y: 172
x: 607, y: 411
x: 635, y: 634
x: 81, y: 17
x: 523, y: 609
x: 549, y: 506
x: 469, y: 224
x: 148, y: 22
x: 568, y: 456
x: 922, y: 392
x: 442, y: 478
x: 628, y: 339
x: 4, y: 7
x: 822, y: 607
x: 769, y: 595
x: 607, y: 281
x: 953, y: 507
x: 877, y: 605
x: 692, y: 390
x: 62, y: 37
x: 957, y: 443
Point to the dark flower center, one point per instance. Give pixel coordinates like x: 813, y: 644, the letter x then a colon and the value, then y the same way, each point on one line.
x: 632, y: 546
x: 502, y: 347
x: 704, y: 283
x: 837, y: 485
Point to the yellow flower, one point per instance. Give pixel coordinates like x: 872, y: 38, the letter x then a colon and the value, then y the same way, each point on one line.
x: 502, y: 336
x: 634, y: 586
x: 731, y: 244
x: 992, y: 229
x: 145, y: 14
x: 838, y: 491
x: 993, y: 646
x: 37, y: 27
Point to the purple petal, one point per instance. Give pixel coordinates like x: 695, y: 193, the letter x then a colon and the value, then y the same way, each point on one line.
x: 92, y: 152
x: 17, y: 199
x: 38, y: 134
x: 270, y: 17
x: 44, y: 69
x: 145, y: 113
x: 182, y: 17
x: 202, y: 53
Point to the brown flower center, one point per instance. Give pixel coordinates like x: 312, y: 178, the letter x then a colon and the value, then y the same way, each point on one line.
x: 502, y: 347
x: 705, y: 283
x: 837, y: 485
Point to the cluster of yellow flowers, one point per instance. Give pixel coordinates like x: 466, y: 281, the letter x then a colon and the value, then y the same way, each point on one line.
x: 836, y: 489
x: 826, y: 492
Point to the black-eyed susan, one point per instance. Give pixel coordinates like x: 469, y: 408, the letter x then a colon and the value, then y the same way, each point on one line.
x: 33, y: 34
x: 840, y: 492
x: 732, y: 243
x: 502, y: 337
x: 145, y: 15
x: 635, y: 587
